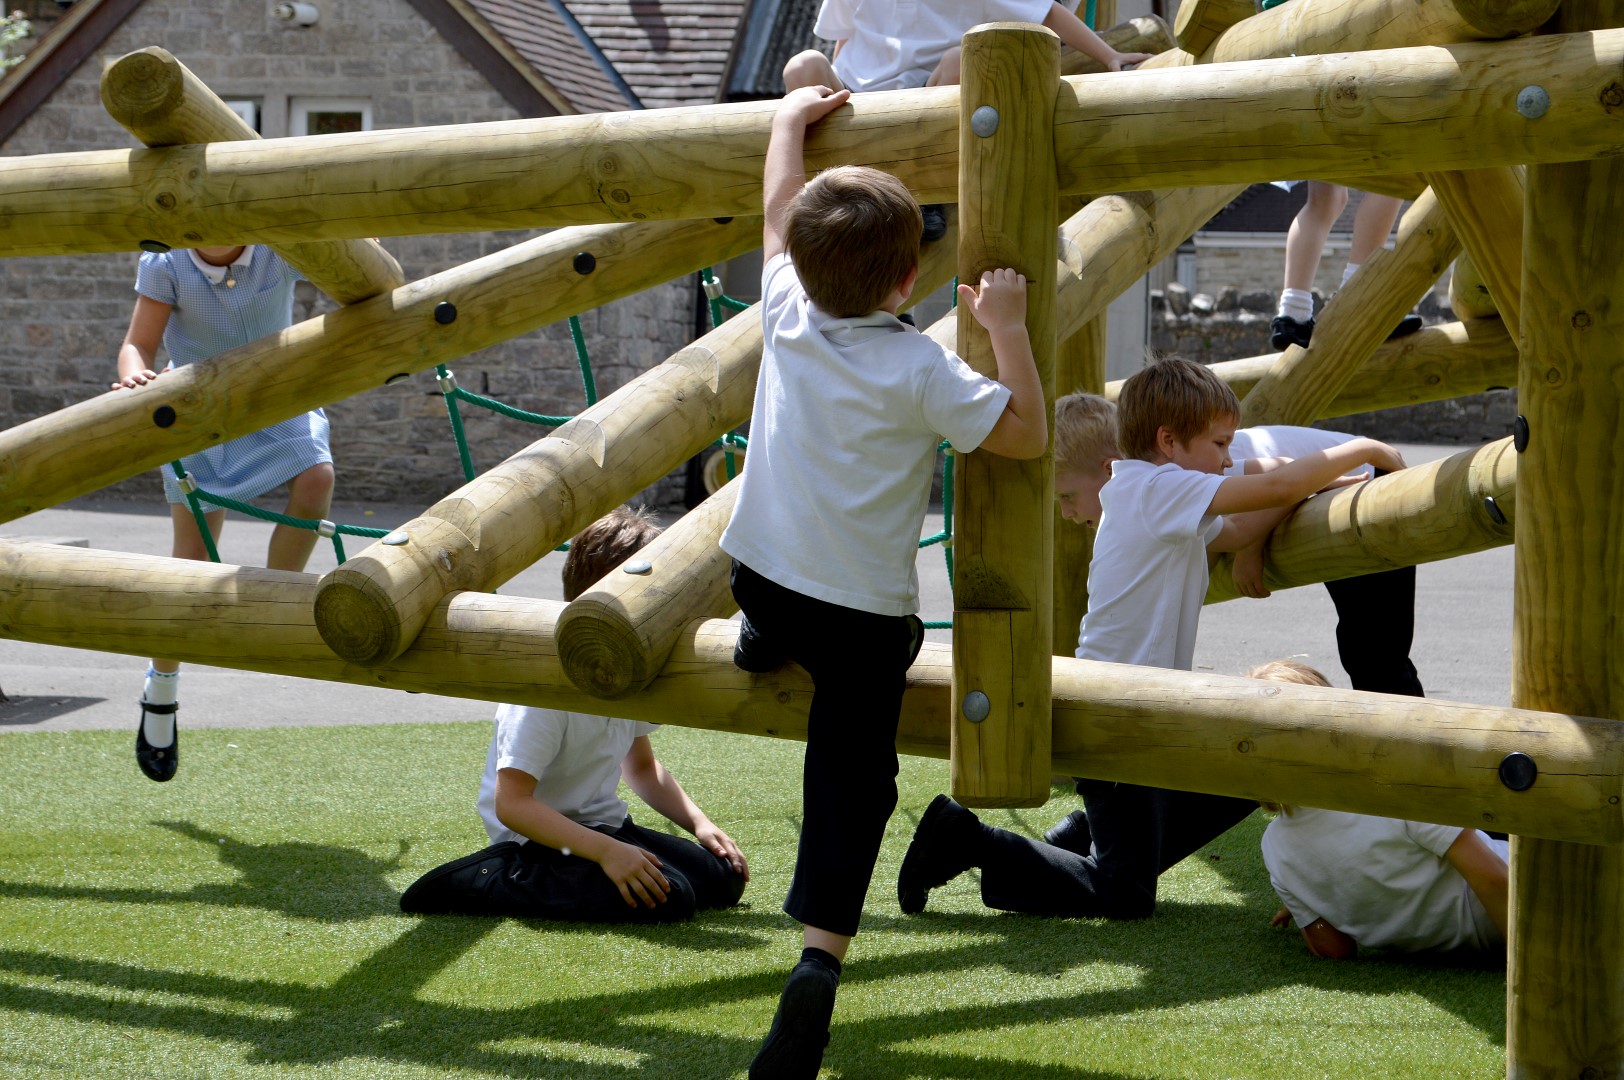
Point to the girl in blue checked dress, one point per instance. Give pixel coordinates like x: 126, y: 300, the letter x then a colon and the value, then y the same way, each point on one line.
x: 200, y: 302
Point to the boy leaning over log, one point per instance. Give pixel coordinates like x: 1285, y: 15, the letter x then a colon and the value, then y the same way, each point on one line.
x: 1168, y: 503
x: 850, y: 405
x: 563, y: 845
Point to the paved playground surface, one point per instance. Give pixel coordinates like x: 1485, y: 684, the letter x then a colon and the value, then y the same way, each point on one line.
x: 1462, y: 645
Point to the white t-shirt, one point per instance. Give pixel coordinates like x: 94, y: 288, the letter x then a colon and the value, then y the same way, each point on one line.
x: 896, y: 44
x: 1279, y: 440
x: 1148, y: 578
x: 843, y: 438
x: 574, y: 757
x: 1382, y: 881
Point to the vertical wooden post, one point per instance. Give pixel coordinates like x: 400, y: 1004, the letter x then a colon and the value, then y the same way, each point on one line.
x: 1002, y: 618
x: 1565, y: 970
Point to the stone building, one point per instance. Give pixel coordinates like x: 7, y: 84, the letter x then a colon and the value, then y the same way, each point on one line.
x: 361, y: 64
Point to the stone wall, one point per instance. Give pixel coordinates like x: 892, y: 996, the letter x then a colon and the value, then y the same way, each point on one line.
x: 1232, y: 325
x: 62, y: 318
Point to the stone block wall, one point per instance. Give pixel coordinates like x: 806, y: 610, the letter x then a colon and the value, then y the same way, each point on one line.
x: 62, y: 318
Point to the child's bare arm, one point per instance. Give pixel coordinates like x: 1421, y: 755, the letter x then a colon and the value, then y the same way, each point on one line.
x: 635, y: 872
x: 140, y: 348
x: 656, y: 786
x: 1075, y: 32
x: 1000, y: 306
x: 784, y: 172
x: 1300, y: 478
x: 1485, y: 872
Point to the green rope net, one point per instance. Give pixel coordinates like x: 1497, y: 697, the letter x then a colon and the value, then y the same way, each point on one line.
x: 731, y: 444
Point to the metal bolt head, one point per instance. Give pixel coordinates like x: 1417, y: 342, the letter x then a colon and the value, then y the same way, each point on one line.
x: 1533, y: 102
x: 445, y: 313
x: 1496, y: 515
x: 641, y: 566
x: 984, y: 121
x: 396, y: 538
x: 164, y: 416
x: 584, y: 263
x: 1518, y: 771
x: 976, y: 706
x: 1519, y: 434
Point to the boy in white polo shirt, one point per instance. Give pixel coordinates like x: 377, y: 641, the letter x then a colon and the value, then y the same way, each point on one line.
x: 900, y: 45
x: 562, y: 843
x: 850, y: 406
x: 1166, y: 505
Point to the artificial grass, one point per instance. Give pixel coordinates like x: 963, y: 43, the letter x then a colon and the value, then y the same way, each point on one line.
x: 242, y: 921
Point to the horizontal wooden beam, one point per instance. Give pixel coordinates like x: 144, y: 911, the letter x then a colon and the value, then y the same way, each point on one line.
x: 1368, y: 753
x: 1347, y: 115
x: 434, y: 320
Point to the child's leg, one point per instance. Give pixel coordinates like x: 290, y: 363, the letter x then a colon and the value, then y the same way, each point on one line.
x: 310, y: 496
x: 1374, y: 630
x: 810, y: 68
x: 715, y: 884
x: 1372, y: 224
x: 1305, y: 240
x: 948, y: 69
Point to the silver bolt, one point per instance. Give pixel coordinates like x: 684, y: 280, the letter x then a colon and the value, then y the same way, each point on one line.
x: 976, y: 706
x: 1533, y: 102
x: 984, y: 121
x: 641, y: 566
x: 396, y: 538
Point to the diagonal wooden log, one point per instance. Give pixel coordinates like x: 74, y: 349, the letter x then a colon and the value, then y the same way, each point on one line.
x: 1199, y: 23
x: 370, y: 608
x: 1454, y: 506
x: 1368, y: 753
x: 1485, y: 208
x: 360, y: 347
x: 160, y: 102
x: 1146, y: 33
x: 1432, y: 364
x: 1303, y: 382
x: 1348, y: 115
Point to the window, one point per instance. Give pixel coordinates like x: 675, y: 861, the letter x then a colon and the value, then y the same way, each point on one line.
x: 248, y: 110
x: 327, y: 116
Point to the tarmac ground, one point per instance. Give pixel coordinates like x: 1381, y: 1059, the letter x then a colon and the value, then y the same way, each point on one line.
x: 1462, y: 643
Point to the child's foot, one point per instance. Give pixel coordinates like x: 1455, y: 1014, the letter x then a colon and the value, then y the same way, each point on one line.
x: 1406, y: 326
x: 935, y: 223
x: 941, y: 850
x: 157, y: 741
x: 1072, y: 833
x: 1284, y: 331
x: 793, y: 1048
x: 752, y: 653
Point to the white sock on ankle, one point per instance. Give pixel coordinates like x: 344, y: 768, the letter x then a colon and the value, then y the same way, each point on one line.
x: 1296, y: 304
x: 162, y: 688
x: 1348, y: 271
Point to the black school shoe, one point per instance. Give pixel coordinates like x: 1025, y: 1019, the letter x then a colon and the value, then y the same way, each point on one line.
x: 462, y: 886
x: 1406, y: 326
x: 793, y: 1048
x: 158, y: 763
x: 941, y: 850
x: 1072, y: 833
x: 1284, y: 332
x: 752, y: 653
x: 935, y: 223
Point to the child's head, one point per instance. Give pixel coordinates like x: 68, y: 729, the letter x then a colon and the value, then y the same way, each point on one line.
x: 1293, y: 672
x: 853, y: 233
x: 1085, y: 444
x: 604, y: 545
x: 1168, y: 408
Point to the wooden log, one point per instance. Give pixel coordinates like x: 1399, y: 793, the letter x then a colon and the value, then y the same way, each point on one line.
x: 1485, y: 208
x: 1454, y: 506
x: 1468, y: 293
x: 1565, y: 961
x: 1147, y: 33
x: 614, y: 638
x: 1336, y: 117
x: 371, y: 607
x: 160, y: 102
x: 1199, y: 22
x: 1003, y: 618
x: 1433, y: 364
x: 1359, y: 317
x: 117, y: 435
x: 1367, y: 753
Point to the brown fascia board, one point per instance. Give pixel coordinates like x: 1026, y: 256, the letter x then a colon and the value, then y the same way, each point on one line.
x: 477, y: 42
x: 75, y: 38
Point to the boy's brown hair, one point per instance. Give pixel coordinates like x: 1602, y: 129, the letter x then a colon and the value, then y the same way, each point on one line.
x: 853, y: 234
x: 1293, y: 672
x: 1173, y: 393
x: 605, y: 544
x: 1085, y: 431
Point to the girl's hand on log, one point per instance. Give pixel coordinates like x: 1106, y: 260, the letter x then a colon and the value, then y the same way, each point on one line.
x: 1000, y: 303
x: 1122, y: 61
x: 809, y: 104
x: 1384, y: 457
x: 135, y: 378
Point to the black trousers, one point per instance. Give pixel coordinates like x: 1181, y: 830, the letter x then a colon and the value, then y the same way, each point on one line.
x: 1375, y: 626
x: 1138, y: 832
x: 533, y: 881
x: 859, y: 663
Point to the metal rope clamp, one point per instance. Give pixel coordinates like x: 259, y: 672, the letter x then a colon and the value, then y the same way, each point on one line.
x: 448, y: 382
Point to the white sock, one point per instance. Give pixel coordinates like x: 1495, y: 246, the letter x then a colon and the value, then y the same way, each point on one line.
x: 1348, y: 271
x: 162, y: 688
x: 1296, y: 304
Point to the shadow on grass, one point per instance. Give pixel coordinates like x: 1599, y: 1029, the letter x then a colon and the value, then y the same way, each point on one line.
x: 377, y: 1011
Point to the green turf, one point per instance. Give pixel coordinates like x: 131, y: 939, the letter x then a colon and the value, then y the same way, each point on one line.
x: 242, y: 921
